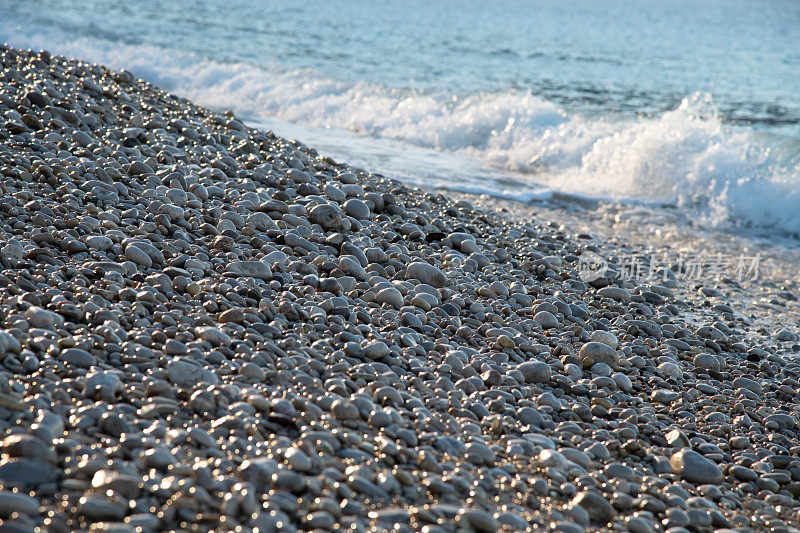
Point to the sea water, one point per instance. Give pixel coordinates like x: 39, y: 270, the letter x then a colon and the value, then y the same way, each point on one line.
x: 684, y: 103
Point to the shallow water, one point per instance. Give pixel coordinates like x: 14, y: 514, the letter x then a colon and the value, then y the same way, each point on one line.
x: 685, y: 103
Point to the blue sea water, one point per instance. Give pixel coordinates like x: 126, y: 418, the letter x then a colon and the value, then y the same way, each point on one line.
x: 694, y: 104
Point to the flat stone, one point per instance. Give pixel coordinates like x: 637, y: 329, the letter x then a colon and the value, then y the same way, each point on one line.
x: 138, y: 256
x: 530, y: 416
x: 186, y: 373
x: 391, y: 296
x: 252, y: 269
x: 480, y: 520
x: 27, y: 473
x: 42, y: 318
x: 78, y: 357
x: 749, y: 384
x: 27, y: 446
x: 98, y: 508
x: 137, y: 168
x: 599, y: 509
x: 695, y: 468
x: 664, y: 396
x: 215, y: 336
x: 426, y: 273
x: 16, y: 502
x: 615, y: 293
x: 99, y: 242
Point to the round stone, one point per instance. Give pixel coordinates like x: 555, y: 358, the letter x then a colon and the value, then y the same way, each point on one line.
x: 391, y: 296
x: 706, y: 361
x: 535, y: 371
x: 605, y: 337
x: 597, y: 352
x: 546, y: 319
x: 356, y: 208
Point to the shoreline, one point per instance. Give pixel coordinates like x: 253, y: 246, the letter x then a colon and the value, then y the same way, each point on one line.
x: 205, y: 326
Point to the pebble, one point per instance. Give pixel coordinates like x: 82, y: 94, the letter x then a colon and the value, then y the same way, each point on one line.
x: 599, y: 509
x: 535, y: 371
x: 546, y: 319
x: 78, y: 357
x: 15, y: 502
x: 138, y: 256
x: 592, y: 353
x: 253, y: 269
x: 749, y: 384
x: 202, y: 324
x: 390, y: 296
x: 26, y: 473
x: 604, y: 337
x: 692, y: 466
x: 356, y: 208
x: 186, y: 373
x: 426, y: 273
x: 706, y: 361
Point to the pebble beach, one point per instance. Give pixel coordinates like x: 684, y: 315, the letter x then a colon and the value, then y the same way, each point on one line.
x: 204, y: 326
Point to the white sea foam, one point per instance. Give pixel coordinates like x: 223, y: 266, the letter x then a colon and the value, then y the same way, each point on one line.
x: 687, y: 157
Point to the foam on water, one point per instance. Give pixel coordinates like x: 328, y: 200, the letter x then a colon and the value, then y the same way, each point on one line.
x: 726, y: 176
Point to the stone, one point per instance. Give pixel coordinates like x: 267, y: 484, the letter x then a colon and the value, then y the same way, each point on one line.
x: 233, y: 315
x: 16, y: 502
x: 592, y: 353
x: 535, y: 371
x: 126, y: 485
x: 671, y: 370
x: 138, y: 256
x: 78, y: 357
x: 252, y: 269
x: 138, y: 168
x: 426, y: 273
x: 605, y: 337
x: 215, y: 336
x: 356, y: 208
x: 327, y: 215
x: 391, y: 296
x: 376, y: 350
x: 546, y: 319
x: 695, y: 468
x: 27, y: 446
x: 97, y: 508
x: 42, y: 318
x: 99, y: 242
x: 599, y: 509
x: 530, y: 417
x: 706, y: 361
x: 478, y: 520
x: 615, y: 293
x: 27, y: 473
x: 749, y: 384
x: 186, y: 373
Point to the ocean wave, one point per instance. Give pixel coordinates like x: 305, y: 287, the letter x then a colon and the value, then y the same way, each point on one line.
x: 729, y: 176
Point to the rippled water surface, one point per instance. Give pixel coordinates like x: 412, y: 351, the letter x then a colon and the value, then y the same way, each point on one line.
x: 687, y: 103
